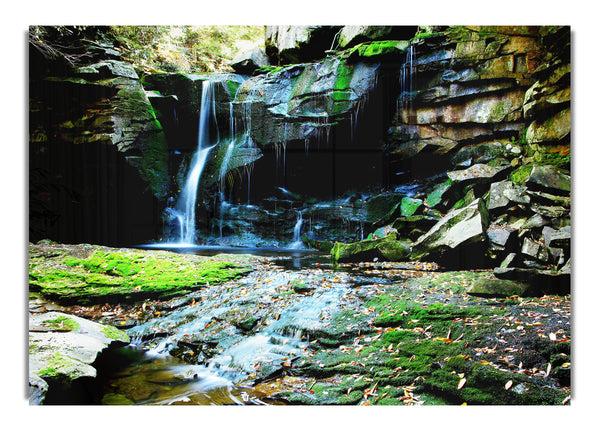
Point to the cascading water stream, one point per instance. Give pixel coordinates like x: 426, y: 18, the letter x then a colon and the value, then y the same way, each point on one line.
x: 297, y: 242
x: 277, y: 339
x: 185, y: 209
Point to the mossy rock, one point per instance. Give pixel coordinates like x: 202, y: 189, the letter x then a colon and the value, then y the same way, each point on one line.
x: 124, y: 275
x: 387, y: 248
x: 377, y: 50
x: 489, y: 288
x: 435, y: 197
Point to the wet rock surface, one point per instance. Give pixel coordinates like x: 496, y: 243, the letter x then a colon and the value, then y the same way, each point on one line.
x: 298, y: 330
x: 62, y: 352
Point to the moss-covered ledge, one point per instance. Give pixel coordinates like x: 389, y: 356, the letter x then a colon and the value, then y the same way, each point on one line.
x: 87, y: 274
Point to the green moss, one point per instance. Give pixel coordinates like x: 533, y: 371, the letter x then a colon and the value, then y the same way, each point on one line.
x: 432, y: 350
x: 521, y: 174
x: 268, y: 69
x: 435, y: 197
x: 398, y: 336
x: 409, y: 206
x: 62, y: 323
x: 126, y: 276
x: 379, y: 48
x: 232, y: 87
x: 56, y: 365
x: 388, y: 248
x: 375, y: 50
x: 343, y: 76
x: 114, y: 333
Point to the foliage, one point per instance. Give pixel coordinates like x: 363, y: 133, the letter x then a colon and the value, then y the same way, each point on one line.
x: 188, y: 49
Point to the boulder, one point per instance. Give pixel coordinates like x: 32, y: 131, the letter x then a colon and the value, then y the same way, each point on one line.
x: 351, y: 35
x: 535, y: 221
x: 535, y: 250
x: 557, y: 237
x: 381, y: 207
x: 481, y: 153
x: 542, y: 282
x: 490, y: 288
x: 501, y: 236
x: 62, y: 349
x: 289, y: 44
x: 497, y: 197
x: 435, y: 197
x: 249, y: 61
x: 546, y: 177
x: 550, y: 212
x: 479, y: 171
x: 458, y: 227
x: 409, y: 206
x: 386, y: 248
x: 553, y: 129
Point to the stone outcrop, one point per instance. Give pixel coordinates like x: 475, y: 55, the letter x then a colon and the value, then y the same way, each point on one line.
x: 95, y: 143
x: 476, y: 115
x: 249, y: 61
x: 481, y: 85
x: 303, y: 101
x: 287, y: 44
x: 458, y: 227
x: 62, y: 350
x: 111, y: 108
x: 386, y: 248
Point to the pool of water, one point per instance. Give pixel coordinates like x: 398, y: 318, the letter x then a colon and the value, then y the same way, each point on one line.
x: 210, y: 250
x: 133, y: 376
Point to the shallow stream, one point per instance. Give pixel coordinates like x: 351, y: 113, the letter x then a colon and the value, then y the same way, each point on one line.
x: 236, y: 334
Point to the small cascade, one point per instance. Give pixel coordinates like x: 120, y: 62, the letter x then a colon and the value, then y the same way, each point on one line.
x: 225, y: 165
x: 406, y: 82
x: 239, y: 353
x: 297, y: 242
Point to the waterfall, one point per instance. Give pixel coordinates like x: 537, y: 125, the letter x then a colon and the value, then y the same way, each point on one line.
x: 406, y: 82
x: 186, y: 203
x: 297, y: 242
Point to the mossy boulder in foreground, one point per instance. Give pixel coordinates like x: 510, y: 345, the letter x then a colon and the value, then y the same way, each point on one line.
x: 62, y: 350
x: 85, y: 274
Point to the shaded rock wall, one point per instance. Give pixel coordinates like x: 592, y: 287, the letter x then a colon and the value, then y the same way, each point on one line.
x: 95, y: 143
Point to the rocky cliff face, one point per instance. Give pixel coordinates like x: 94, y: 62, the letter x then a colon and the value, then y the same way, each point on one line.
x: 95, y: 141
x: 481, y: 114
x: 411, y: 129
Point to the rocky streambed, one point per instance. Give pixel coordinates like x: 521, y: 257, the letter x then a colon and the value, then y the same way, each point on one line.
x: 299, y: 330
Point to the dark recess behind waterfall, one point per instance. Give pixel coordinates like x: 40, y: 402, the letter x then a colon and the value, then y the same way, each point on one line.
x: 348, y: 159
x: 90, y: 194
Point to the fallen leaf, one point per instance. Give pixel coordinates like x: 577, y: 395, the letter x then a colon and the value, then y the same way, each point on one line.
x: 508, y: 385
x: 461, y: 383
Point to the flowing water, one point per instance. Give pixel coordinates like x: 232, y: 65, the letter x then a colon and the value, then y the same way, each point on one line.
x: 235, y: 334
x: 186, y: 204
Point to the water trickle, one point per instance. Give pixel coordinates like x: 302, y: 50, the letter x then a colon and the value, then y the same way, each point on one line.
x: 297, y: 242
x: 406, y: 83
